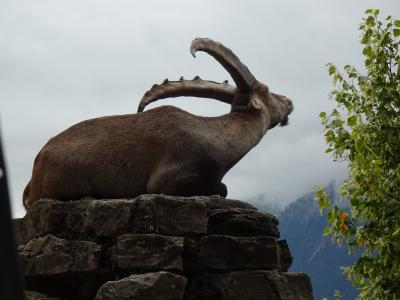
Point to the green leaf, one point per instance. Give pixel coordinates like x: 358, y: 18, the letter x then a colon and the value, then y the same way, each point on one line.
x: 335, y: 113
x: 327, y: 231
x: 322, y: 198
x: 367, y: 51
x: 354, y: 202
x: 353, y: 74
x: 331, y: 69
x: 351, y: 121
x: 337, y: 294
x: 337, y: 123
x: 322, y: 114
x: 370, y: 21
x: 369, y: 144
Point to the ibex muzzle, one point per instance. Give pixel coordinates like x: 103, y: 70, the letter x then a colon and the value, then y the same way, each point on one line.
x: 164, y: 150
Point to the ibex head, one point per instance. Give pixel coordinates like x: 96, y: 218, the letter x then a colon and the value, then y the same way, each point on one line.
x: 249, y: 95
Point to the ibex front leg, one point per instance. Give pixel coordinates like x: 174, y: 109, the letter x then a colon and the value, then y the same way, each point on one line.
x: 195, y: 185
x: 170, y: 180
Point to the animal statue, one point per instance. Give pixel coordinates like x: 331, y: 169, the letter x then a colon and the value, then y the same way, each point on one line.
x: 164, y: 150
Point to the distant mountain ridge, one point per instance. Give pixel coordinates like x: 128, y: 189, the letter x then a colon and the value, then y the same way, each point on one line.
x: 302, y: 225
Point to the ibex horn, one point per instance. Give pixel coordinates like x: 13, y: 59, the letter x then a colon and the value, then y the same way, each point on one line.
x: 192, y: 88
x: 239, y: 72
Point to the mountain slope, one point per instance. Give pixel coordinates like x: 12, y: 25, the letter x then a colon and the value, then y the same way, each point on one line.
x: 302, y: 225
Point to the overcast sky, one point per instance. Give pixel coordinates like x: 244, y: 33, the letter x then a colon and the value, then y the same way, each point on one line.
x: 62, y: 62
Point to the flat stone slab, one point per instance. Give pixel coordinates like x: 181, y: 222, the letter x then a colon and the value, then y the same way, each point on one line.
x: 227, y: 253
x: 285, y: 258
x: 50, y: 255
x: 250, y: 285
x: 155, y: 247
x: 59, y: 268
x: 147, y: 252
x: 177, y: 215
x: 242, y: 222
x: 45, y: 217
x: 148, y: 286
x: 31, y: 295
x: 93, y: 219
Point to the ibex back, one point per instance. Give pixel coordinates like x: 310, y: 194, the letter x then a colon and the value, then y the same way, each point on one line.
x: 164, y: 150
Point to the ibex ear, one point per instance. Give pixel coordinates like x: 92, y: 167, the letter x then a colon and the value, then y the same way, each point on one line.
x: 256, y: 103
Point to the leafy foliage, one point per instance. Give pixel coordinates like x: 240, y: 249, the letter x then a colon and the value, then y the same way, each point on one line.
x: 365, y: 131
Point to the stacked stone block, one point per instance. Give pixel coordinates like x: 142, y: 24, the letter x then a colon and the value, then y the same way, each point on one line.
x: 155, y: 247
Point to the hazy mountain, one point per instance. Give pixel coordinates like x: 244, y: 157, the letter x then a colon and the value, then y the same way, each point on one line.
x: 301, y: 225
x: 265, y: 203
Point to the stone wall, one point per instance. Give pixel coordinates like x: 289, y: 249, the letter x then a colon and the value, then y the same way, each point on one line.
x: 155, y: 247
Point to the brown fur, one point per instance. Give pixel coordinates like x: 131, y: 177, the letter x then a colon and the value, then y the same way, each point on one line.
x: 163, y: 150
x: 150, y: 152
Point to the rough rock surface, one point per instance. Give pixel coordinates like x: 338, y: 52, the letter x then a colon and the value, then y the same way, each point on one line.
x: 159, y: 285
x: 50, y: 255
x: 227, y: 253
x: 249, y: 285
x: 147, y: 252
x: 155, y: 247
x: 38, y: 296
x: 242, y: 222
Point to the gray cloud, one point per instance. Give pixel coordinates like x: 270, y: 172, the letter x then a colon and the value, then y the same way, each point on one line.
x: 62, y: 62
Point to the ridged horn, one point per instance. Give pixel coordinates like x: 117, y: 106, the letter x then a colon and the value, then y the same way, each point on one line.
x: 192, y: 88
x: 239, y: 72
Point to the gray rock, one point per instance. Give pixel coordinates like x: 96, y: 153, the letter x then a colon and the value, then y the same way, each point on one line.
x: 93, y: 219
x: 147, y: 252
x: 44, y: 217
x: 149, y: 286
x: 71, y: 249
x: 285, y: 258
x: 19, y: 231
x: 106, y: 218
x: 50, y: 255
x: 226, y: 253
x: 242, y: 222
x: 217, y: 202
x: 178, y: 215
x: 31, y: 295
x: 249, y: 285
x: 66, y: 269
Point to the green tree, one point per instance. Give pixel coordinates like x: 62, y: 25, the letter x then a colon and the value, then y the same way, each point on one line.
x: 364, y: 130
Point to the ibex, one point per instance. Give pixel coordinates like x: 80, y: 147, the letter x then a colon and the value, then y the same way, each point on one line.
x: 164, y: 150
